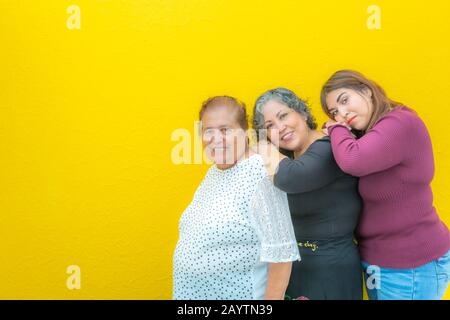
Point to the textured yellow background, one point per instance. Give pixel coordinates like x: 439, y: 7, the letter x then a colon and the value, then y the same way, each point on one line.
x: 86, y: 117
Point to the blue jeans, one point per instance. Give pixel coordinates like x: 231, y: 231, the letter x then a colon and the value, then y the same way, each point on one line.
x: 428, y: 282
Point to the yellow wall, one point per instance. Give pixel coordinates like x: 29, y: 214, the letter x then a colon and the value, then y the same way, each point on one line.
x: 86, y: 117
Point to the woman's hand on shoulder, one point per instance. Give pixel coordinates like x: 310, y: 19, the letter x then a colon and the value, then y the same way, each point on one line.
x: 270, y: 154
x: 330, y: 123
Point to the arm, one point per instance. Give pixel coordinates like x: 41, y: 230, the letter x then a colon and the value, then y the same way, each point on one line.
x: 381, y: 148
x: 271, y: 156
x: 270, y: 212
x: 278, y: 280
x: 313, y: 170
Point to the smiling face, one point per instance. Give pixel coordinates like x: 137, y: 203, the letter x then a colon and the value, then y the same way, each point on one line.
x: 223, y: 138
x: 286, y: 128
x: 351, y: 106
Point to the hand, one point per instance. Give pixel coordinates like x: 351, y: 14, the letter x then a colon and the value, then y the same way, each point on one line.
x: 270, y: 154
x: 331, y: 123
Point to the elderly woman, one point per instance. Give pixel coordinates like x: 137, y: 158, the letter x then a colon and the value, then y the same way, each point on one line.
x: 236, y: 239
x: 323, y: 200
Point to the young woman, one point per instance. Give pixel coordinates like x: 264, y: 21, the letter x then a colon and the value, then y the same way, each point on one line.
x: 403, y: 243
x: 236, y: 239
x: 323, y: 200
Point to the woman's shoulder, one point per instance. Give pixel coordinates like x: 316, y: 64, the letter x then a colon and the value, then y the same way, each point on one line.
x: 252, y: 159
x: 252, y: 166
x: 321, y: 146
x: 401, y: 120
x: 325, y: 140
x: 321, y: 152
x: 400, y: 114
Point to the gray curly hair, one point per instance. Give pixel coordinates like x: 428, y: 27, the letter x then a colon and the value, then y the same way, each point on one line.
x: 286, y: 97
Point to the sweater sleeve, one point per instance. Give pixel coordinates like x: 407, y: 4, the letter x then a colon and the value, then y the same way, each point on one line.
x: 381, y: 148
x: 313, y: 170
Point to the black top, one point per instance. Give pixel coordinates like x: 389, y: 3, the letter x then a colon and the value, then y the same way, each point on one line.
x: 325, y: 207
x: 323, y: 200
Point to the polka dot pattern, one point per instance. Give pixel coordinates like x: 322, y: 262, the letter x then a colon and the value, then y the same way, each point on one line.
x: 218, y: 252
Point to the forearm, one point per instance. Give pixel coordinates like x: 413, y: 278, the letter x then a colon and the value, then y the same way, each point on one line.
x: 277, y: 280
x: 376, y: 151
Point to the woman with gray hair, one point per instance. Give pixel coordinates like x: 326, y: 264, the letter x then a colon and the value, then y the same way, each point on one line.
x: 323, y: 200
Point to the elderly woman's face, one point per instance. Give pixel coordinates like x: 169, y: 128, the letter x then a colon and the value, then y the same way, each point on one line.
x: 286, y: 128
x: 223, y: 138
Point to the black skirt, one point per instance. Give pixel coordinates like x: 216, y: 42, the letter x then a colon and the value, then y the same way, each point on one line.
x: 328, y: 270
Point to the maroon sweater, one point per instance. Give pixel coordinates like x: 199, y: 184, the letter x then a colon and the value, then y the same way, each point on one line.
x: 399, y: 227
